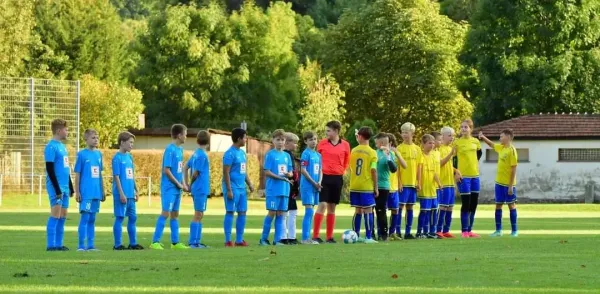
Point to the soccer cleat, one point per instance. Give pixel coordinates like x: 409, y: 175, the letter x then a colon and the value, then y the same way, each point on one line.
x: 120, y: 247
x: 440, y: 235
x: 409, y: 237
x: 264, y: 242
x: 284, y: 241
x: 310, y: 242
x: 178, y: 246
x: 241, y: 244
x: 514, y: 234
x: 51, y: 249
x: 293, y: 242
x: 496, y: 234
x: 229, y: 244
x: 81, y: 250
x: 432, y: 236
x: 198, y: 246
x: 360, y: 240
x: 279, y: 244
x: 419, y: 236
x: 330, y: 241
x: 135, y: 247
x: 318, y: 240
x: 466, y: 235
x: 448, y: 235
x: 473, y: 235
x: 156, y: 246
x: 395, y: 237
x: 370, y: 241
x: 62, y: 248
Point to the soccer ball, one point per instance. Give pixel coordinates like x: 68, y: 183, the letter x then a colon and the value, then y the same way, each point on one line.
x: 349, y: 237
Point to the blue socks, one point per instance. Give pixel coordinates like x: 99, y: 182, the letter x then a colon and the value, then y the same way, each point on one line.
x: 448, y: 221
x: 441, y: 219
x: 132, y: 230
x: 409, y: 221
x: 356, y: 223
x: 399, y: 222
x: 82, y: 229
x: 392, y: 229
x: 420, y: 222
x: 464, y: 221
x: 267, y: 227
x: 194, y: 233
x: 307, y: 222
x: 174, y: 224
x: 160, y: 227
x: 60, y: 231
x: 117, y: 231
x: 426, y: 221
x: 240, y: 226
x: 228, y: 225
x: 370, y: 228
x: 434, y: 221
x: 279, y: 228
x: 498, y: 217
x: 91, y: 231
x: 513, y: 219
x: 51, y: 232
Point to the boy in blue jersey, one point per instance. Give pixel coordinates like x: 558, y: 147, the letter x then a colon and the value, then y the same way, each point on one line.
x: 200, y: 186
x: 171, y: 184
x: 310, y: 183
x: 125, y: 193
x: 88, y: 189
x: 58, y: 185
x: 235, y: 179
x: 278, y: 167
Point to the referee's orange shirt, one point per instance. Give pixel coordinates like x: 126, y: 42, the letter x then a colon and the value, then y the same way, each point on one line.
x: 335, y: 157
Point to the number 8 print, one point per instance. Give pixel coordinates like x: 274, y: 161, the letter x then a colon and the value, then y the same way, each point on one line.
x: 359, y: 164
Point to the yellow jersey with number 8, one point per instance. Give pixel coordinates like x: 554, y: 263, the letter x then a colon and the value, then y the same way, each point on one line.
x: 410, y: 153
x: 362, y: 159
x: 466, y: 153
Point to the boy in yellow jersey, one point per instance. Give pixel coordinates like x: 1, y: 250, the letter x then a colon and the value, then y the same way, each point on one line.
x: 428, y: 181
x: 393, y: 202
x: 468, y: 153
x: 363, y: 182
x: 446, y: 201
x: 408, y: 177
x: 506, y: 179
x: 437, y: 139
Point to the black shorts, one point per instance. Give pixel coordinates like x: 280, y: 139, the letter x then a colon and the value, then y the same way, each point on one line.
x: 292, y: 205
x: 331, y: 190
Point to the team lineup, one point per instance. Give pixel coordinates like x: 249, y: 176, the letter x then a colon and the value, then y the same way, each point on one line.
x: 392, y: 177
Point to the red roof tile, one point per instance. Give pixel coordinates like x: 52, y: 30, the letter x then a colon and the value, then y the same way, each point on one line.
x: 547, y: 126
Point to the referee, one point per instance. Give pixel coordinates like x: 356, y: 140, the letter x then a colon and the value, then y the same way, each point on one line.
x: 335, y: 154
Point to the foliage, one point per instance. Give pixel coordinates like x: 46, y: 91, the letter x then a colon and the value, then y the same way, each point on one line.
x: 405, y: 67
x: 351, y: 132
x: 458, y: 10
x: 310, y: 40
x: 534, y: 56
x: 109, y: 108
x: 133, y: 9
x: 16, y: 22
x: 326, y: 12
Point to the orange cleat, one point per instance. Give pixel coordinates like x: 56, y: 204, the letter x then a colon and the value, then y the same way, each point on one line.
x: 229, y: 244
x: 241, y: 244
x: 448, y: 235
x: 439, y: 234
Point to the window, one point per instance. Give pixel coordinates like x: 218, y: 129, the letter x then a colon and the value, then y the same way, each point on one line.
x: 579, y: 154
x: 492, y: 156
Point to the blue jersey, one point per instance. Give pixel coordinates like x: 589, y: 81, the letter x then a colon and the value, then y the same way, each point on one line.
x: 56, y: 152
x: 173, y: 159
x: 279, y: 163
x: 89, y: 168
x: 122, y: 167
x: 200, y: 163
x: 235, y: 158
x: 311, y: 161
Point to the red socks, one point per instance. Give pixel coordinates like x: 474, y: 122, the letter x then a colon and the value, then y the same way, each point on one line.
x: 330, y: 225
x: 317, y: 225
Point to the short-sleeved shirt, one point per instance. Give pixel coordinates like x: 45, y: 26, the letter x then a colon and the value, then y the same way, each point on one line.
x: 394, y: 176
x: 429, y: 187
x: 410, y: 153
x: 446, y: 171
x: 436, y: 160
x: 200, y: 163
x: 507, y: 158
x: 235, y: 158
x: 362, y: 160
x: 280, y: 163
x: 89, y: 167
x: 173, y: 159
x: 311, y: 161
x: 56, y: 152
x: 383, y: 170
x: 335, y: 157
x: 122, y: 167
x: 466, y: 153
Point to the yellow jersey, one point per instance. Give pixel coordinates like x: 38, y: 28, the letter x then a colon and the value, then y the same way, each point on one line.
x: 466, y: 153
x: 428, y: 184
x: 436, y: 162
x: 447, y: 170
x: 362, y: 160
x: 394, y: 176
x: 507, y: 158
x: 410, y: 153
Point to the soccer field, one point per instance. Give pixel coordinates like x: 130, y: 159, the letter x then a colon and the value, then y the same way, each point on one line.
x: 553, y: 254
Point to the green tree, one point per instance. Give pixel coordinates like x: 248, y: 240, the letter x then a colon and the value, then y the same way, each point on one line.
x: 16, y: 22
x: 533, y: 56
x: 109, y: 108
x: 405, y: 67
x: 310, y: 39
x: 458, y: 10
x: 326, y: 12
x: 322, y: 99
x: 351, y: 132
x: 133, y: 9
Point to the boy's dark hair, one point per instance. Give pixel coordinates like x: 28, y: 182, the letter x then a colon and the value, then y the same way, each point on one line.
x: 426, y: 138
x: 58, y: 124
x: 177, y: 129
x: 335, y: 125
x: 88, y: 133
x: 124, y: 136
x: 203, y: 137
x: 382, y: 135
x: 366, y: 133
x: 508, y: 132
x: 436, y: 134
x: 237, y: 134
x: 308, y: 135
x: 393, y: 140
x: 278, y: 133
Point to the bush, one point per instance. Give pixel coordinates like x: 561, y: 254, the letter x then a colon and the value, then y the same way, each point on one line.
x: 148, y: 164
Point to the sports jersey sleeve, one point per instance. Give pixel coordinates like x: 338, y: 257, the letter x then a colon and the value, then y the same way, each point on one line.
x: 198, y: 163
x: 168, y: 160
x: 347, y: 155
x: 513, y: 157
x: 115, y: 166
x: 49, y: 153
x: 101, y: 161
x: 290, y: 167
x: 190, y: 162
x: 304, y: 159
x: 79, y: 163
x: 497, y: 148
x: 228, y: 158
x: 478, y: 144
x: 373, y: 160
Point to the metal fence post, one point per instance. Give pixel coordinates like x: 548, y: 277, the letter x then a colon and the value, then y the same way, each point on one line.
x: 39, y: 190
x: 32, y: 130
x: 1, y: 179
x: 149, y: 191
x: 77, y: 92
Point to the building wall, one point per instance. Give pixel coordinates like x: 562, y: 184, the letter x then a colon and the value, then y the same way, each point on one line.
x: 218, y: 143
x: 544, y: 178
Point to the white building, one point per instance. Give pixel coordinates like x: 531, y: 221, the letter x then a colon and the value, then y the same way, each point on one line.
x: 159, y: 138
x: 559, y: 157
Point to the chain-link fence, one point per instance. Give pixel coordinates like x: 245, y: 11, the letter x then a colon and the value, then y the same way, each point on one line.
x: 27, y: 108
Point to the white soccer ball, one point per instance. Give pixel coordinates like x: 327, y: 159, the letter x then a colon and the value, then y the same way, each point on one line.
x: 349, y: 237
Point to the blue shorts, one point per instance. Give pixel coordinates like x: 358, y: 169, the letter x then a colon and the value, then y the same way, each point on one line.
x: 200, y: 202
x: 426, y: 203
x: 170, y: 201
x: 239, y: 203
x: 436, y: 201
x: 408, y: 195
x: 309, y: 197
x: 362, y: 199
x: 393, y: 202
x: 62, y: 201
x: 502, y: 195
x: 448, y: 196
x: 124, y: 210
x: 468, y: 185
x: 277, y: 203
x: 89, y: 205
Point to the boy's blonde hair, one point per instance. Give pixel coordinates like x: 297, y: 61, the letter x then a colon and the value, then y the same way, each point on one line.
x: 291, y: 137
x: 447, y: 131
x: 426, y: 138
x: 58, y: 124
x: 279, y: 133
x: 408, y: 127
x: 469, y: 122
x: 88, y: 133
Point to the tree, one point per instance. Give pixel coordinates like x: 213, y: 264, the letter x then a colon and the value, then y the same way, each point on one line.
x: 310, y: 39
x: 351, y: 132
x: 322, y: 99
x: 405, y: 67
x: 16, y: 22
x: 133, y: 9
x: 326, y: 12
x: 533, y: 56
x: 458, y: 10
x: 109, y: 108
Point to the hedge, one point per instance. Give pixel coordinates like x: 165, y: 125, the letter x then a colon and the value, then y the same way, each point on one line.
x: 148, y: 164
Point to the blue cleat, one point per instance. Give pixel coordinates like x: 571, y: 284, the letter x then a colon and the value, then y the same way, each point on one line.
x: 496, y: 234
x: 264, y: 243
x: 514, y: 234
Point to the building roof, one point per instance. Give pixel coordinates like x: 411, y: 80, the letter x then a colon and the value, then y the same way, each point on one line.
x: 554, y: 126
